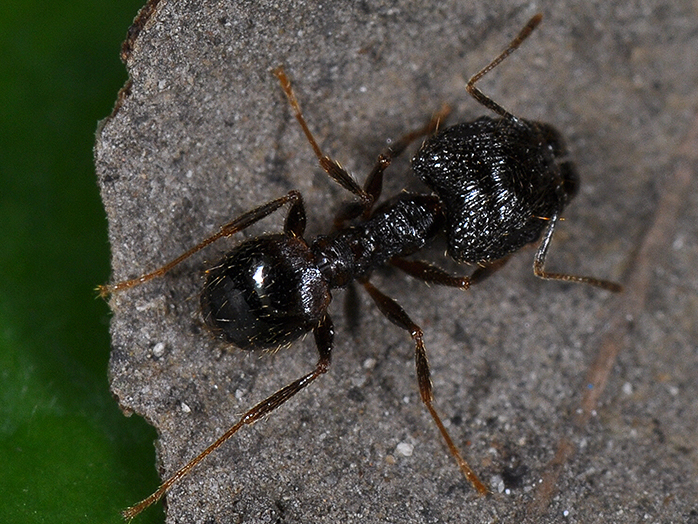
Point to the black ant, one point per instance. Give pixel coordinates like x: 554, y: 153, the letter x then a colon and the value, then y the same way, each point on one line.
x: 498, y: 184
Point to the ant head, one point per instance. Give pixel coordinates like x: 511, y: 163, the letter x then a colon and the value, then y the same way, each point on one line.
x: 265, y: 294
x: 497, y: 179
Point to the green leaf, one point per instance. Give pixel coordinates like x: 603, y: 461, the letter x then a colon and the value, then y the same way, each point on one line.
x: 68, y: 454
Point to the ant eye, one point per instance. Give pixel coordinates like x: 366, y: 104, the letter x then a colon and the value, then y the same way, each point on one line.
x: 570, y: 179
x: 550, y: 137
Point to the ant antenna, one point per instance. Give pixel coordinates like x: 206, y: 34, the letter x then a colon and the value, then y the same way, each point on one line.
x: 515, y: 43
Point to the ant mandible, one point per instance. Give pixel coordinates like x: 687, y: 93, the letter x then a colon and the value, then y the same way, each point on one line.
x: 498, y: 184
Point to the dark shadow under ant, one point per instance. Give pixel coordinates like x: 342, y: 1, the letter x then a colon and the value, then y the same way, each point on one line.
x: 498, y: 184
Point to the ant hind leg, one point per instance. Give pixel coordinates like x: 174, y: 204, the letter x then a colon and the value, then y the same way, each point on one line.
x: 295, y: 223
x: 324, y: 335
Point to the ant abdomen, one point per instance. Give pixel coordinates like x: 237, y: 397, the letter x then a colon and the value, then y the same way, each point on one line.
x: 265, y: 294
x: 500, y: 180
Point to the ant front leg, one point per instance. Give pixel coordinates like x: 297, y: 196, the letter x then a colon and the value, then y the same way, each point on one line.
x: 394, y: 312
x: 324, y: 335
x: 542, y: 253
x: 295, y: 222
x: 513, y: 46
x: 432, y: 274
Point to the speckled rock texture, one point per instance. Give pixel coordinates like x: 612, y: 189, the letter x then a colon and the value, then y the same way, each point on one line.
x: 573, y: 404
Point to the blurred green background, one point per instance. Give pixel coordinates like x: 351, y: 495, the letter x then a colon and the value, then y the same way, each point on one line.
x: 67, y: 454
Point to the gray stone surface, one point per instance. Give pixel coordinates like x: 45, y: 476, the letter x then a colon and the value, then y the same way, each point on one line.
x: 204, y: 133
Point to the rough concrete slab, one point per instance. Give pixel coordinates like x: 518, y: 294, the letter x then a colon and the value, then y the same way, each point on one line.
x: 203, y: 133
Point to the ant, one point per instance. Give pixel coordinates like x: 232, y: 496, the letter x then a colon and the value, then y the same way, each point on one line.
x: 498, y: 184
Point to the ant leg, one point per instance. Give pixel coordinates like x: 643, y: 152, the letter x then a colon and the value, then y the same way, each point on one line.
x: 397, y: 316
x: 372, y: 188
x: 435, y: 275
x: 486, y: 270
x: 515, y: 43
x: 374, y: 182
x: 331, y: 166
x: 324, y: 334
x: 430, y: 274
x: 542, y: 253
x: 295, y: 222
